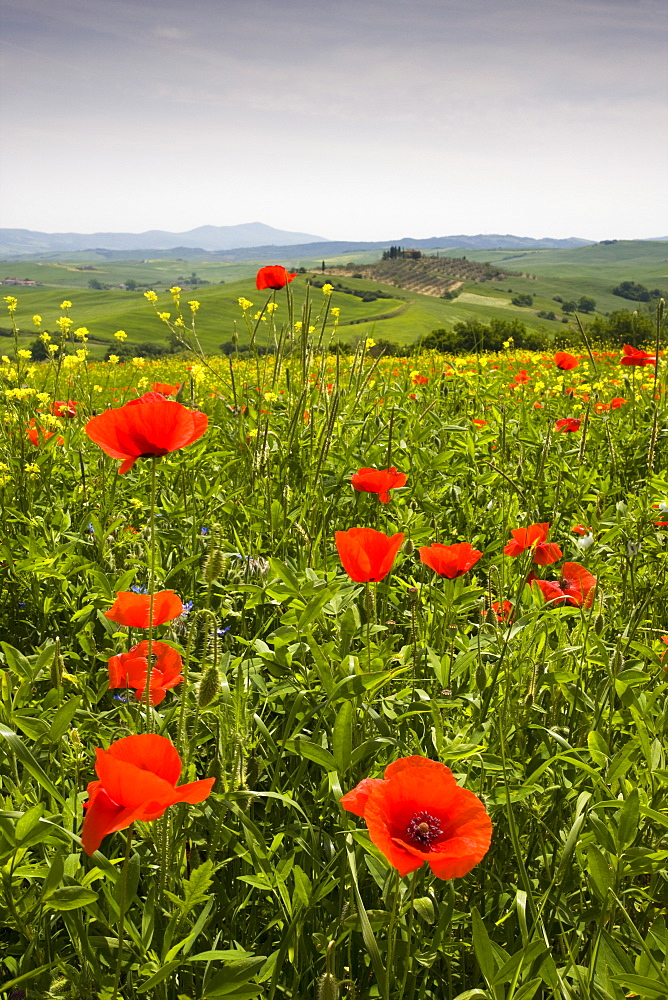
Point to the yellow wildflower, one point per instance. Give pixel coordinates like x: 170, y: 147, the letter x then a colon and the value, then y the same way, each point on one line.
x: 164, y: 316
x: 121, y: 335
x: 45, y: 337
x: 175, y: 291
x: 151, y: 296
x: 327, y: 289
x: 194, y: 305
x: 26, y: 355
x: 37, y: 320
x: 81, y: 333
x: 11, y: 303
x: 113, y: 359
x: 244, y: 303
x: 66, y: 304
x: 139, y: 362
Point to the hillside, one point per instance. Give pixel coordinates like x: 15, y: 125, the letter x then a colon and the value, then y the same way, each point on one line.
x: 428, y: 275
x: 486, y: 291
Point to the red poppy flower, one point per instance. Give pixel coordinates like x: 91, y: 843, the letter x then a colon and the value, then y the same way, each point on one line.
x: 138, y: 776
x: 576, y: 586
x: 38, y: 435
x: 568, y: 425
x: 419, y: 813
x: 146, y: 427
x: 379, y: 481
x: 273, y: 276
x: 165, y: 389
x: 580, y: 529
x: 633, y: 356
x: 521, y: 376
x: 68, y: 409
x: 503, y: 612
x: 616, y: 402
x: 130, y: 670
x: 420, y: 380
x: 565, y: 361
x: 367, y: 555
x: 479, y: 423
x: 450, y: 561
x: 534, y: 537
x: 133, y: 609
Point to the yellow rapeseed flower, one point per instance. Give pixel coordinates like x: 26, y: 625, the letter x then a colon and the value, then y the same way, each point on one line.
x: 151, y: 296
x: 327, y: 289
x: 113, y: 359
x: 11, y: 303
x: 175, y: 290
x: 139, y: 362
x: 37, y: 320
x: 121, y: 335
x: 194, y: 305
x: 164, y: 316
x: 244, y: 303
x: 66, y: 304
x: 26, y: 355
x: 45, y: 337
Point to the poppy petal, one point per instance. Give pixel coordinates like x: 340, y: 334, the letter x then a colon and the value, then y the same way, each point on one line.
x: 150, y: 752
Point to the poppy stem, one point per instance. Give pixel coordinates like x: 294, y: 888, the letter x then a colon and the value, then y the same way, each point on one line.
x: 151, y: 589
x: 121, y: 910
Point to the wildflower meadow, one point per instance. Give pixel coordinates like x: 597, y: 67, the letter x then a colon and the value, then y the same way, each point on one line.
x: 329, y: 676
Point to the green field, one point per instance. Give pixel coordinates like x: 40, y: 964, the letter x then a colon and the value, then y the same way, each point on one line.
x: 569, y: 274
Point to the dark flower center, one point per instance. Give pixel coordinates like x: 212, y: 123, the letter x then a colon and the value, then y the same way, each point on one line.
x: 424, y: 829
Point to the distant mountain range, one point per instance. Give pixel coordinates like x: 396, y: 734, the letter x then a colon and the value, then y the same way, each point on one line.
x: 250, y: 234
x: 250, y: 241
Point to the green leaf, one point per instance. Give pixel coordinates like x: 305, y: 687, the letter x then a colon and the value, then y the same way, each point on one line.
x: 483, y: 948
x: 54, y: 876
x: 158, y: 976
x: 627, y: 823
x: 28, y: 820
x: 29, y: 762
x: 646, y: 989
x: 312, y: 751
x: 16, y: 661
x: 599, y: 871
x: 71, y: 897
x: 342, y: 737
x: 237, y: 974
x: 63, y: 718
x: 424, y: 907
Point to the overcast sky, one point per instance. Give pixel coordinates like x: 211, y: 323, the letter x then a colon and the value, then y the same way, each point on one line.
x: 350, y: 119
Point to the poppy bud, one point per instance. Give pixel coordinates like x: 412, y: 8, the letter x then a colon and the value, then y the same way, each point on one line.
x: 480, y: 677
x: 56, y: 672
x: 209, y: 687
x: 328, y: 987
x: 491, y: 617
x: 599, y: 623
x: 617, y: 661
x: 214, y: 565
x: 408, y: 547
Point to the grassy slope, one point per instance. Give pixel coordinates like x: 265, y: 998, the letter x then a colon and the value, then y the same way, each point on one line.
x: 591, y: 270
